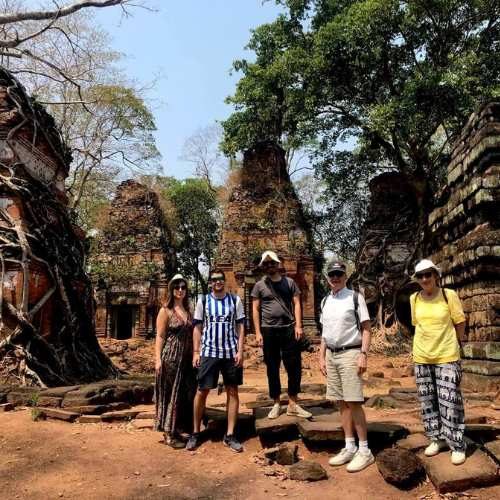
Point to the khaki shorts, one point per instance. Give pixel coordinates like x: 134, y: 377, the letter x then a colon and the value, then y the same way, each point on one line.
x: 342, y: 381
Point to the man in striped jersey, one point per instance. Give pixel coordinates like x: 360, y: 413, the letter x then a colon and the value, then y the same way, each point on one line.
x: 219, y: 328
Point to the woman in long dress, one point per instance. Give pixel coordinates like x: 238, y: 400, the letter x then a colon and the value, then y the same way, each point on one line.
x: 439, y: 327
x: 175, y: 377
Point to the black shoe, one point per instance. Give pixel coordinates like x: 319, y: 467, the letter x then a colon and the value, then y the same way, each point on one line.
x: 232, y: 443
x: 193, y: 441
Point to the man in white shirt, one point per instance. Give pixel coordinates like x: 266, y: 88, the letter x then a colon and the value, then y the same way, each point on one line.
x: 343, y: 358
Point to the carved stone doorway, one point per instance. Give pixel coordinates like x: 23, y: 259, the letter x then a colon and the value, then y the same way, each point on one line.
x: 123, y: 319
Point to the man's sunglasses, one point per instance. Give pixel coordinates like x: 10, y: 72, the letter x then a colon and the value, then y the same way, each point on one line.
x: 428, y: 274
x: 217, y: 278
x: 270, y: 263
x: 180, y: 287
x: 336, y: 274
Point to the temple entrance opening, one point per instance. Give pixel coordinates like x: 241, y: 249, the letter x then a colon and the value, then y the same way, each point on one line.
x: 123, y: 319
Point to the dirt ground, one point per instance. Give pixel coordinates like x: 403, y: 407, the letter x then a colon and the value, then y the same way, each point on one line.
x: 52, y: 459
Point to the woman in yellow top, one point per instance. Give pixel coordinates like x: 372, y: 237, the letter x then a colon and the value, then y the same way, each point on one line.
x: 439, y: 323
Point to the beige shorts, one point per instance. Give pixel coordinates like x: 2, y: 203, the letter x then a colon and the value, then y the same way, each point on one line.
x: 343, y: 382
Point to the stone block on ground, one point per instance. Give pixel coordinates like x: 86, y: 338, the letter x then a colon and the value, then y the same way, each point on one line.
x: 400, y: 467
x: 408, y: 395
x: 143, y: 423
x: 374, y: 382
x: 383, y: 434
x: 89, y: 419
x: 217, y: 421
x: 58, y: 414
x: 475, y: 419
x: 480, y: 383
x: 397, y: 373
x: 59, y: 392
x: 147, y: 415
x: 382, y: 401
x: 306, y: 470
x: 478, y: 471
x: 90, y: 409
x: 284, y: 454
x: 112, y: 416
x: 23, y: 396
x: 414, y: 442
x: 482, y: 433
x: 283, y: 427
x: 322, y: 428
x: 377, y: 374
x: 48, y: 402
x: 265, y: 402
x: 493, y: 449
x: 314, y: 389
x: 388, y: 364
x: 6, y: 407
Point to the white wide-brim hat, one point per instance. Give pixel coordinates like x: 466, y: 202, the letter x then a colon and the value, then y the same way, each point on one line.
x: 177, y: 277
x: 269, y: 255
x: 425, y: 265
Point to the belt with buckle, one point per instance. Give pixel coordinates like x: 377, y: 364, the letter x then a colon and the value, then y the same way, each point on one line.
x: 345, y: 348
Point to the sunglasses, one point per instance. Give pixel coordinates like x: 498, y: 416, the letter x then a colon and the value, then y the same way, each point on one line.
x: 217, y: 278
x: 270, y: 263
x: 428, y: 274
x: 336, y: 274
x: 180, y: 287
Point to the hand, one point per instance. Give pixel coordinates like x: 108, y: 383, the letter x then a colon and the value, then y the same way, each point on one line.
x: 157, y: 365
x: 299, y: 332
x: 238, y: 359
x: 322, y: 365
x: 361, y: 364
x: 259, y: 339
x: 196, y: 359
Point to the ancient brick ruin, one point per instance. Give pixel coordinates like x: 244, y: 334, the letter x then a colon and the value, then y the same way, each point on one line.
x: 387, y: 248
x: 465, y: 242
x: 131, y: 264
x: 264, y: 213
x: 47, y: 334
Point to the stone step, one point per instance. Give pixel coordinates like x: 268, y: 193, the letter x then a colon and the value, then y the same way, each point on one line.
x: 327, y: 428
x: 143, y: 423
x: 414, y: 442
x: 478, y: 471
x: 482, y: 433
x: 481, y: 367
x: 493, y: 449
x: 482, y: 350
x: 89, y: 419
x: 6, y: 407
x: 56, y: 413
x: 112, y: 416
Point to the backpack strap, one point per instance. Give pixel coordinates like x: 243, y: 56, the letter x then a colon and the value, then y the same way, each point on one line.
x: 355, y: 298
x: 323, y: 302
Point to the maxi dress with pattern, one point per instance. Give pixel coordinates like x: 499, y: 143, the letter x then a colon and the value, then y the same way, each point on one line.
x: 176, y: 380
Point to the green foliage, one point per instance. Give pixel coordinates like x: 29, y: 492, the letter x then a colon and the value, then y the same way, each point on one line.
x: 391, y: 81
x: 194, y: 222
x: 121, y: 272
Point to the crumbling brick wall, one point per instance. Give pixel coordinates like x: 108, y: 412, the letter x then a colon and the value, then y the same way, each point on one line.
x: 132, y: 258
x: 465, y: 241
x: 264, y: 213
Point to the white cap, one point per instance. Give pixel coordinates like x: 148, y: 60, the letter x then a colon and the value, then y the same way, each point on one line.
x: 269, y: 255
x: 426, y: 264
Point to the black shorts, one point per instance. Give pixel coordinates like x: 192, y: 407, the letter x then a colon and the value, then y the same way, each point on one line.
x: 208, y: 372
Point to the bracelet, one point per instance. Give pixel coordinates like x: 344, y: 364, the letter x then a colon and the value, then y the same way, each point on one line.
x: 365, y: 353
x: 196, y: 352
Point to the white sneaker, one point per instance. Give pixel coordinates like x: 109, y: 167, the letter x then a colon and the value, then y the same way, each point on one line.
x: 297, y: 411
x: 343, y: 457
x: 275, y: 411
x: 457, y: 457
x: 360, y: 461
x: 434, y: 448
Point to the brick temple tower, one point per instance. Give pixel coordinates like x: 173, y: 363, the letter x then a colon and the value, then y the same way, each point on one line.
x: 264, y: 213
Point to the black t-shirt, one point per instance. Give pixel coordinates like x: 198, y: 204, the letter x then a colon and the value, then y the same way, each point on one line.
x: 271, y: 311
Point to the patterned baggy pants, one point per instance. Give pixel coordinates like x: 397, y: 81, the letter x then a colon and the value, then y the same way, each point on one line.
x: 441, y: 401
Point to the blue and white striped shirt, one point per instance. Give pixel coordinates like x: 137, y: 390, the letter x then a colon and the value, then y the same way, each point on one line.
x: 219, y: 338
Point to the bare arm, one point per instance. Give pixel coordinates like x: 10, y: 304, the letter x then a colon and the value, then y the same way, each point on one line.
x: 196, y: 344
x: 297, y: 311
x: 460, y: 329
x: 241, y: 340
x: 322, y: 356
x: 161, y: 327
x: 256, y: 319
x: 365, y: 346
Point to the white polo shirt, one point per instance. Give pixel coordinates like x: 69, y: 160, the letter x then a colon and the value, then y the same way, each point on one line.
x: 339, y: 321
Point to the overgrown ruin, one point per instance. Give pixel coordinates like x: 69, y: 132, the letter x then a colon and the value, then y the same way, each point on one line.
x: 387, y: 249
x: 47, y: 333
x: 464, y: 235
x: 465, y: 242
x: 264, y: 213
x: 131, y: 261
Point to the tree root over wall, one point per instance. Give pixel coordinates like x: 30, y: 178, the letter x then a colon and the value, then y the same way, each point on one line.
x: 48, y: 337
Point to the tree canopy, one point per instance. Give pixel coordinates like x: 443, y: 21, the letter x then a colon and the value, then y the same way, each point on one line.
x: 372, y: 84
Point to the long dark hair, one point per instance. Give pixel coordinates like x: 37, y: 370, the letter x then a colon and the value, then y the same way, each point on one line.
x: 170, y: 295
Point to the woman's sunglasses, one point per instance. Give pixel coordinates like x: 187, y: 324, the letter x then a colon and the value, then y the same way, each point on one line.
x: 180, y: 287
x: 428, y: 274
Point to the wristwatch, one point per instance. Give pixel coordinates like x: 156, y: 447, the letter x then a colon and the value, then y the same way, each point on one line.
x: 365, y: 353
